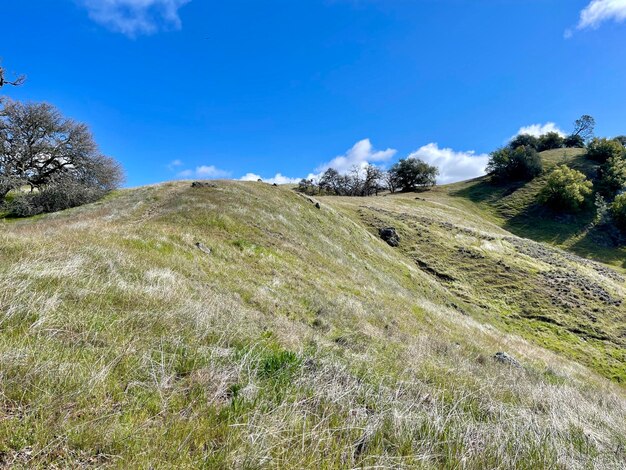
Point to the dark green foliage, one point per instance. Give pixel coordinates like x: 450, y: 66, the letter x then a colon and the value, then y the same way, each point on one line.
x: 600, y: 150
x: 508, y: 164
x: 412, y: 174
x: 566, y: 189
x: 574, y: 141
x: 618, y: 210
x: 612, y: 175
x: 525, y: 140
x: 550, y: 141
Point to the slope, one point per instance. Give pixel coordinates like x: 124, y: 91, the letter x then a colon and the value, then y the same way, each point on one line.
x: 237, y: 326
x: 514, y: 207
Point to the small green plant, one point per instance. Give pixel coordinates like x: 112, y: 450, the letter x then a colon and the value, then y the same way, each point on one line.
x: 566, y: 189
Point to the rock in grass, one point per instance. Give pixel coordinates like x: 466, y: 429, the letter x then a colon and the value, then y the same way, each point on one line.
x: 203, y: 184
x: 203, y: 248
x: 505, y: 358
x: 390, y: 235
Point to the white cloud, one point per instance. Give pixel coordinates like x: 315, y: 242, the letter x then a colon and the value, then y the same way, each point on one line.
x: 540, y: 129
x: 174, y: 164
x: 277, y: 179
x: 599, y: 11
x: 361, y: 154
x: 453, y: 166
x: 134, y: 17
x: 204, y: 171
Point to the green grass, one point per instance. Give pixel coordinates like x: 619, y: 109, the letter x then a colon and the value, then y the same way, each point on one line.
x: 514, y: 207
x: 302, y: 340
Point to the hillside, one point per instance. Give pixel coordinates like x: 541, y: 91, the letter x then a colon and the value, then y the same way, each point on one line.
x: 238, y: 326
x: 514, y: 208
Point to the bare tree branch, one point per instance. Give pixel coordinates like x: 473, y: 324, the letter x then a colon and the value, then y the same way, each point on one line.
x: 17, y: 82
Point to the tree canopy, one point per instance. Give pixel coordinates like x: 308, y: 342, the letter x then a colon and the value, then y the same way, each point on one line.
x: 40, y: 148
x: 413, y: 173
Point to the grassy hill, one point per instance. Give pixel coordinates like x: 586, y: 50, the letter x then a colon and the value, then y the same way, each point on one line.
x: 514, y: 207
x: 238, y: 326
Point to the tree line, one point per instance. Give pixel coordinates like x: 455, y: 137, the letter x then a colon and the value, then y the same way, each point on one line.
x: 408, y: 174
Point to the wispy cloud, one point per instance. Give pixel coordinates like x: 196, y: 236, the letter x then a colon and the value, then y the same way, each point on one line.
x: 540, y: 129
x: 453, y: 166
x: 136, y: 17
x: 599, y: 11
x: 276, y: 179
x: 362, y: 153
x: 205, y: 171
x: 174, y: 164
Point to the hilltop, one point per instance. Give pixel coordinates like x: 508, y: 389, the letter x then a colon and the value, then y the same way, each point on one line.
x: 236, y: 325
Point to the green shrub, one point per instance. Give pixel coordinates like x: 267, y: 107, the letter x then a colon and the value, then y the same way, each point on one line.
x: 566, y: 189
x: 549, y: 141
x: 618, y: 210
x: 600, y: 150
x: 412, y: 173
x: 574, y: 141
x: 524, y: 140
x: 613, y: 176
x: 521, y: 163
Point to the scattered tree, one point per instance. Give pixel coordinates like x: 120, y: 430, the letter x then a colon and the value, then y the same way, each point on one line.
x: 601, y: 150
x: 524, y: 140
x: 566, y: 189
x: 550, y: 141
x: 372, y: 180
x: 584, y: 127
x: 413, y: 173
x: 55, y: 157
x: 574, y: 141
x: 391, y: 181
x: 508, y: 164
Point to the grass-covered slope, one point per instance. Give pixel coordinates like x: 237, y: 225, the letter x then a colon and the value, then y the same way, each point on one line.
x: 514, y: 207
x: 294, y: 337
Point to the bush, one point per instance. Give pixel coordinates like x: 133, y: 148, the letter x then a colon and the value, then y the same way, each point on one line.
x: 550, y: 141
x: 574, y: 141
x: 613, y: 176
x: 524, y: 140
x: 566, y: 189
x: 521, y: 163
x: 54, y: 197
x: 601, y: 150
x: 621, y: 139
x: 618, y: 210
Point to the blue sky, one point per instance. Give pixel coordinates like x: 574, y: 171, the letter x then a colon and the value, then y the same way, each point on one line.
x: 203, y: 88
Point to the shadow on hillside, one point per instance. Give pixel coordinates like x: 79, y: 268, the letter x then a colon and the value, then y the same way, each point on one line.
x: 539, y: 223
x: 486, y: 191
x: 604, y: 244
